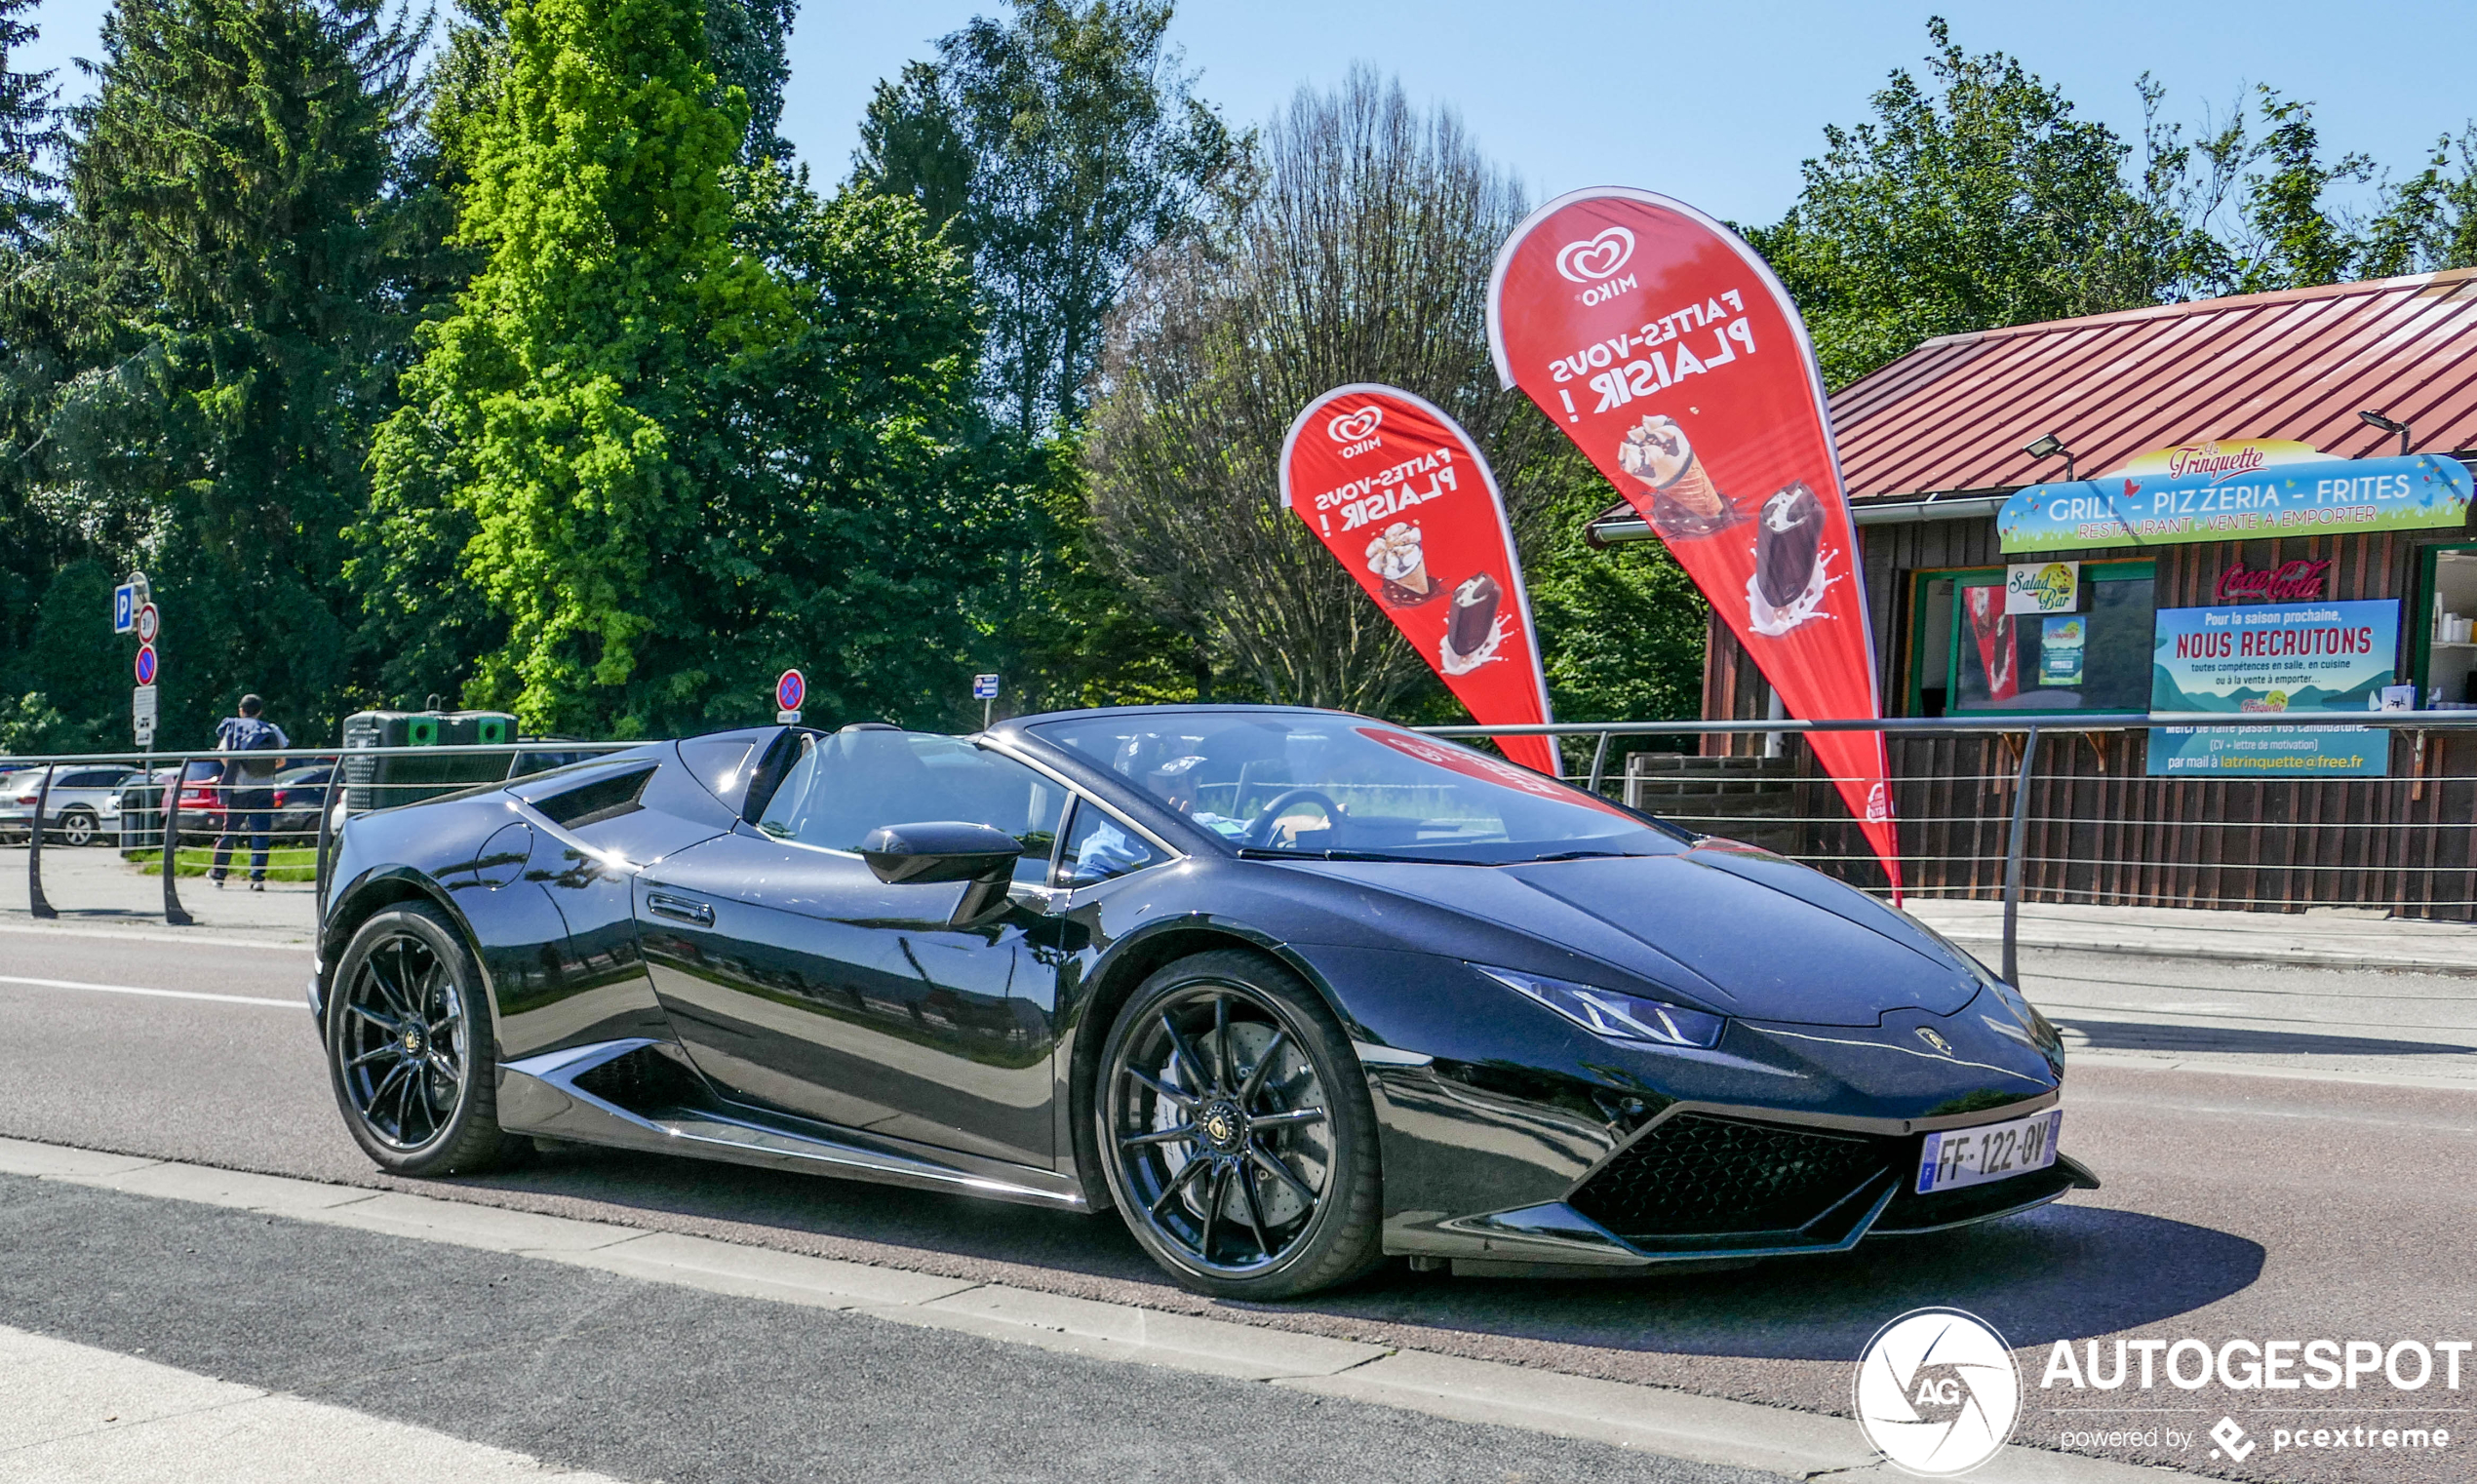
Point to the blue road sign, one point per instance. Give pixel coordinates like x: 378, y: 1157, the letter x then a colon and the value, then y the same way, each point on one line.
x: 124, y: 607
x: 984, y: 687
x: 791, y: 690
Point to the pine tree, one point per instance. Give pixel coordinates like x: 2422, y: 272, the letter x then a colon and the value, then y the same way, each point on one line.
x: 29, y: 130
x: 229, y: 300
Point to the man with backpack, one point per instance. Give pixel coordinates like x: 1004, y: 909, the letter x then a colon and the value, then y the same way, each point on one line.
x: 247, y: 797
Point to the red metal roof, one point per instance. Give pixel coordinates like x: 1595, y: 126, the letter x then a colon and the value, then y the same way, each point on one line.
x: 1953, y: 414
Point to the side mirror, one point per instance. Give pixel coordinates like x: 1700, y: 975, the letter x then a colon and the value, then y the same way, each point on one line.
x: 944, y: 851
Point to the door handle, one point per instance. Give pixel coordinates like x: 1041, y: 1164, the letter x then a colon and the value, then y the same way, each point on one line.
x: 679, y: 907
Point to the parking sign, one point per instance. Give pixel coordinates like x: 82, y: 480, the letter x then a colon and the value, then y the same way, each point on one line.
x: 984, y: 687
x: 124, y: 607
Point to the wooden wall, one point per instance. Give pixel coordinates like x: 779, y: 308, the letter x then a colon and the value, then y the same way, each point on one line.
x: 2103, y: 831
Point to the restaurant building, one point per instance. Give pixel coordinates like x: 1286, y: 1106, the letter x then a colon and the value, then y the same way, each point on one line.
x: 2255, y: 503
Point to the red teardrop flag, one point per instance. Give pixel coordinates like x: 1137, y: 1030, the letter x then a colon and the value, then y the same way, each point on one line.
x: 1665, y: 349
x: 1397, y: 492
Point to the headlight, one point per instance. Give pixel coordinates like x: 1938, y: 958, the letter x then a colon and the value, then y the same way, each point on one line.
x: 1618, y: 1016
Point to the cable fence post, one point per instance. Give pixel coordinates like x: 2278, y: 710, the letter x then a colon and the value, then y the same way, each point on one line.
x: 2012, y: 861
x: 1599, y: 763
x: 327, y: 802
x: 35, y: 902
x: 173, y: 915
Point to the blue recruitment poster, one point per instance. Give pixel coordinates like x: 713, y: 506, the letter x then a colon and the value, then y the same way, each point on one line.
x: 2295, y: 658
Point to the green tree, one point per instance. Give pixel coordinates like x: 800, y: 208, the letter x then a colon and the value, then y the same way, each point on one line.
x: 1066, y: 145
x: 214, y: 327
x: 1975, y: 199
x: 2430, y: 221
x: 29, y: 132
x: 568, y: 407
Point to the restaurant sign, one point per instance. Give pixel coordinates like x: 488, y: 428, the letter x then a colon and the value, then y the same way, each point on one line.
x: 2235, y: 491
x: 2294, y: 658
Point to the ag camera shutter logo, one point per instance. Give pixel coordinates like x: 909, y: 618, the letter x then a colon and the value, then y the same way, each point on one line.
x: 1593, y: 259
x: 1937, y: 1392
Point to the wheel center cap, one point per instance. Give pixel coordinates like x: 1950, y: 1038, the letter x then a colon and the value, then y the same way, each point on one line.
x: 411, y: 1040
x: 1222, y: 1127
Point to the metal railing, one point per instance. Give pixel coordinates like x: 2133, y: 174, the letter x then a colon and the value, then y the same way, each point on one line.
x: 155, y: 802
x: 2011, y: 764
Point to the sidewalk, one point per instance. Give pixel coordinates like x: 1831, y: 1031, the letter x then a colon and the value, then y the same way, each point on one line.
x: 93, y: 890
x: 2319, y: 937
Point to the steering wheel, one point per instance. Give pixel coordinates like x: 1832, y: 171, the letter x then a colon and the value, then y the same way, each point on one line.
x: 1259, y: 831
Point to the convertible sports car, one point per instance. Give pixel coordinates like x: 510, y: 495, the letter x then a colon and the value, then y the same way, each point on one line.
x: 1294, y: 991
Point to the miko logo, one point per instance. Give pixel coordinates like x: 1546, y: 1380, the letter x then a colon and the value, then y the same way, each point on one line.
x: 1585, y: 262
x: 1352, y: 427
x: 1937, y: 1393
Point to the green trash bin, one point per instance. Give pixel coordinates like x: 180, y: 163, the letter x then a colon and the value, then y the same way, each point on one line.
x: 387, y: 782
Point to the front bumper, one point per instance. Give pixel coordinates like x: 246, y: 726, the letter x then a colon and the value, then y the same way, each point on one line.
x: 1702, y: 1184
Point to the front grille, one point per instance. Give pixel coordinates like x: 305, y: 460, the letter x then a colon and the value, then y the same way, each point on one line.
x: 1696, y: 1175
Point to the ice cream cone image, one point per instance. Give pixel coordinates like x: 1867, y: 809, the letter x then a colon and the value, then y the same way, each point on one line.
x: 1400, y: 559
x: 1684, y: 501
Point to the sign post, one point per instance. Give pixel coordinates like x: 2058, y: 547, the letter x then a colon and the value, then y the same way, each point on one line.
x: 789, y: 691
x: 985, y: 692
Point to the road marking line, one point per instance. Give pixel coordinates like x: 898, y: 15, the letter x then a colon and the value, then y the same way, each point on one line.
x: 1681, y: 1425
x: 177, y: 937
x: 130, y: 989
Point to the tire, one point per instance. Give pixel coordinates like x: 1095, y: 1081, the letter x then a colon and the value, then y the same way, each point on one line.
x: 77, y: 827
x: 410, y: 1048
x: 1219, y: 1170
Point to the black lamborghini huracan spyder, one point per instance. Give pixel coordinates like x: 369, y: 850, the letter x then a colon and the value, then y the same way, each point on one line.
x: 1294, y: 991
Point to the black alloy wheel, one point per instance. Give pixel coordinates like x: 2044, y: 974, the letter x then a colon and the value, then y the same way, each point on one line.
x: 410, y: 1048
x: 1237, y: 1132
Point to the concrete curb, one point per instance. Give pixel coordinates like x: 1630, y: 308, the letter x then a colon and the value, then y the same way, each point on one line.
x: 1676, y: 1423
x: 2311, y: 959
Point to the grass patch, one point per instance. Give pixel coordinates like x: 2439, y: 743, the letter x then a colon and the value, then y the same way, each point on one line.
x: 284, y: 863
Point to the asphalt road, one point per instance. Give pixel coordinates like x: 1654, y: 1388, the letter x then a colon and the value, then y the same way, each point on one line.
x: 2303, y: 1192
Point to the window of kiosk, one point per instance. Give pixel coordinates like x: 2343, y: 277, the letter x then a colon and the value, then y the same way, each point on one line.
x: 1997, y: 663
x: 2447, y: 637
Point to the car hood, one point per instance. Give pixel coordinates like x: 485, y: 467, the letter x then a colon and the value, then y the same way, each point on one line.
x: 1743, y: 931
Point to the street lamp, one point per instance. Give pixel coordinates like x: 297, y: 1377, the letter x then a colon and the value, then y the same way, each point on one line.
x: 2048, y: 446
x: 2388, y: 426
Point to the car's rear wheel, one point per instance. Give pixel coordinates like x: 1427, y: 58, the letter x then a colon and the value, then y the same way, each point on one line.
x: 77, y: 827
x: 409, y: 1047
x: 1238, y: 1133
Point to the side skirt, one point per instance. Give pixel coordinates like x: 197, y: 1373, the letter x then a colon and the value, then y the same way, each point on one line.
x: 540, y: 1096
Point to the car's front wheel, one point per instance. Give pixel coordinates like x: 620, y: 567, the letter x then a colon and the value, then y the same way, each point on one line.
x: 409, y: 1047
x: 1238, y: 1133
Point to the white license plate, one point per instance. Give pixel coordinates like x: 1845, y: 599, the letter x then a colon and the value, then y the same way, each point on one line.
x: 1964, y: 1157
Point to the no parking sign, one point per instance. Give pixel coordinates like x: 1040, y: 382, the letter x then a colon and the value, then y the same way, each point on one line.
x: 789, y: 693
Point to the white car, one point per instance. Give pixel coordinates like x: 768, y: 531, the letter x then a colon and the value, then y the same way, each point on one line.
x: 74, y: 813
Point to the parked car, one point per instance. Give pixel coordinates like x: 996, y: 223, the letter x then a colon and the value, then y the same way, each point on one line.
x: 1292, y: 992
x: 73, y: 811
x: 300, y: 792
x: 201, y: 801
x: 134, y: 815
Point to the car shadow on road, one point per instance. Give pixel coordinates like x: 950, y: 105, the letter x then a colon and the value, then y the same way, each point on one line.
x: 2148, y: 1035
x: 2066, y: 1271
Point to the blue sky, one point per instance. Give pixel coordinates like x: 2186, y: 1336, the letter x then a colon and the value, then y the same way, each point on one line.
x: 1715, y: 104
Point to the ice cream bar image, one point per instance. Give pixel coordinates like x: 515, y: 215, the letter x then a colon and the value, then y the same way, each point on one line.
x: 1788, y: 539
x: 1474, y: 614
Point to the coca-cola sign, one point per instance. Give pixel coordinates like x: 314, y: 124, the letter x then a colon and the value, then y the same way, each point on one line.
x: 2288, y: 582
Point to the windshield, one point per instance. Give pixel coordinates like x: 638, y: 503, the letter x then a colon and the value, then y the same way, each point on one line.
x: 1337, y: 787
